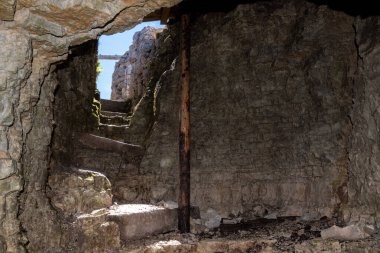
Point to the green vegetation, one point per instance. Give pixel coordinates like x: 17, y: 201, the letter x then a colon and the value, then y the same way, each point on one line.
x: 96, y: 108
x: 98, y: 68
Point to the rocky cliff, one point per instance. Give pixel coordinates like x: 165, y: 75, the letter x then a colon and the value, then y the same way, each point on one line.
x: 132, y: 71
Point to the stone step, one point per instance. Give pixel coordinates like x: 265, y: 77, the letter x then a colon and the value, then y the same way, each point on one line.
x: 93, y: 232
x: 138, y: 221
x: 111, y: 114
x: 94, y: 152
x: 115, y: 106
x: 103, y: 230
x: 115, y: 132
x: 106, y: 144
x: 114, y: 118
x: 118, y: 161
x: 75, y: 194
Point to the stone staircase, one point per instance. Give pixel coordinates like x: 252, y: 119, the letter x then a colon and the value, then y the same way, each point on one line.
x: 118, y: 161
x: 115, y: 118
x: 96, y: 224
x: 114, y: 132
x: 108, y: 229
x: 86, y: 193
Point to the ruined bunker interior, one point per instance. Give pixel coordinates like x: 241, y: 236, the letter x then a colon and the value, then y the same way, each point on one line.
x: 284, y: 127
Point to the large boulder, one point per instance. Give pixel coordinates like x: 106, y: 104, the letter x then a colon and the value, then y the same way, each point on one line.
x: 80, y: 191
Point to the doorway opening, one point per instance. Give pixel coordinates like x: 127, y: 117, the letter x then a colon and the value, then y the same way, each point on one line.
x: 113, y: 53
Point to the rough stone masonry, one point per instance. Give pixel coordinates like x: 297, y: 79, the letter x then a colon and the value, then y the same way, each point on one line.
x: 278, y: 115
x: 274, y: 135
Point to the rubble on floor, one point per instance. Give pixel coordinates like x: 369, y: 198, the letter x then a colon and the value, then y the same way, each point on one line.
x: 263, y: 235
x: 351, y: 232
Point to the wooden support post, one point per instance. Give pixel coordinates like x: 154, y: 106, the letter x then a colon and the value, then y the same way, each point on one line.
x: 184, y: 132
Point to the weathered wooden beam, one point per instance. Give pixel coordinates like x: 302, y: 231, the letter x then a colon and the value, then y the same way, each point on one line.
x: 153, y: 16
x: 164, y: 16
x: 109, y: 57
x: 184, y: 132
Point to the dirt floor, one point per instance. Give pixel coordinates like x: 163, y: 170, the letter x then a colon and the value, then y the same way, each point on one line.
x: 262, y: 235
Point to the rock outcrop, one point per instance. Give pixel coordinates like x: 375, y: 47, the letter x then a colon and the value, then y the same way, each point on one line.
x: 349, y: 233
x: 79, y: 191
x: 164, y: 51
x: 132, y: 72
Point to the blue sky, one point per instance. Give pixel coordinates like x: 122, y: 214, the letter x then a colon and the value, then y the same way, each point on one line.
x: 115, y: 44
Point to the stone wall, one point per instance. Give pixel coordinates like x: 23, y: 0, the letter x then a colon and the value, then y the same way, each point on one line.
x: 63, y: 108
x: 73, y: 101
x: 14, y: 125
x: 276, y: 121
x: 272, y: 114
x: 364, y: 157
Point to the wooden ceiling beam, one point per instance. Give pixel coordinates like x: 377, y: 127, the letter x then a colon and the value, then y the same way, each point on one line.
x: 165, y: 14
x: 153, y: 16
x: 109, y: 57
x: 162, y: 15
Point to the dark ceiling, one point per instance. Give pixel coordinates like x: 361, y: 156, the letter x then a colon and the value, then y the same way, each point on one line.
x: 362, y: 8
